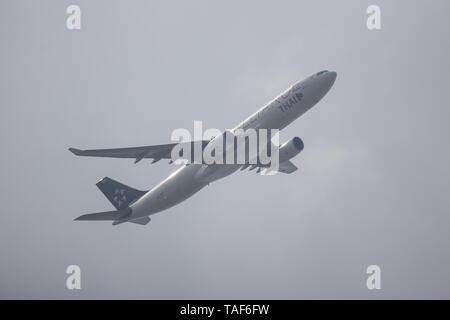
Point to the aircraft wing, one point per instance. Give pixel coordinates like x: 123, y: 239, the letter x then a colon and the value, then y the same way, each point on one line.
x: 155, y: 152
x: 163, y: 151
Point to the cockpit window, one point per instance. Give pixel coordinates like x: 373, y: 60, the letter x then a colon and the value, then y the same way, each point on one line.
x: 321, y: 72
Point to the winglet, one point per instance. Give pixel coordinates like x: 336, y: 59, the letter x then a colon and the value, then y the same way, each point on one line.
x: 76, y: 151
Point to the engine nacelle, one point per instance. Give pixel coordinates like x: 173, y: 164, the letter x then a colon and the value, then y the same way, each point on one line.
x: 290, y: 149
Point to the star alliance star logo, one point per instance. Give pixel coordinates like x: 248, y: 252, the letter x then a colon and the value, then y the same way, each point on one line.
x: 119, y: 197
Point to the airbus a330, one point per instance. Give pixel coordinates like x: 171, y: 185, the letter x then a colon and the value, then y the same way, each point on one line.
x: 136, y: 206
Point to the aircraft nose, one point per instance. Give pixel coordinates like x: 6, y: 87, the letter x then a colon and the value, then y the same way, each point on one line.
x: 330, y: 78
x: 324, y: 81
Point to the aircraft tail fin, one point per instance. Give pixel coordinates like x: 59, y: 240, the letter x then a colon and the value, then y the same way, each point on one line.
x: 118, y: 194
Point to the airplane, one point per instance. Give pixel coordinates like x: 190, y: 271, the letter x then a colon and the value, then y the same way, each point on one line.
x: 136, y: 206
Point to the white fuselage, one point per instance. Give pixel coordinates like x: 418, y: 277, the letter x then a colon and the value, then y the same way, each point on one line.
x: 277, y: 114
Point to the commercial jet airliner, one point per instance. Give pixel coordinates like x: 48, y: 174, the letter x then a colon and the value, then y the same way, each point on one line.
x: 136, y: 206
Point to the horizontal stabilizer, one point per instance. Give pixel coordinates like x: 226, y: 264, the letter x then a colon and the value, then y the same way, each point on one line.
x: 143, y: 221
x: 105, y: 216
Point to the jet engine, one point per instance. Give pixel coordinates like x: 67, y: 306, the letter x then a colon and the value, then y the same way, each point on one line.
x: 290, y: 149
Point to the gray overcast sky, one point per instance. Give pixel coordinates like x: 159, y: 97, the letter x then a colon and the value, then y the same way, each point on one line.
x: 374, y: 179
